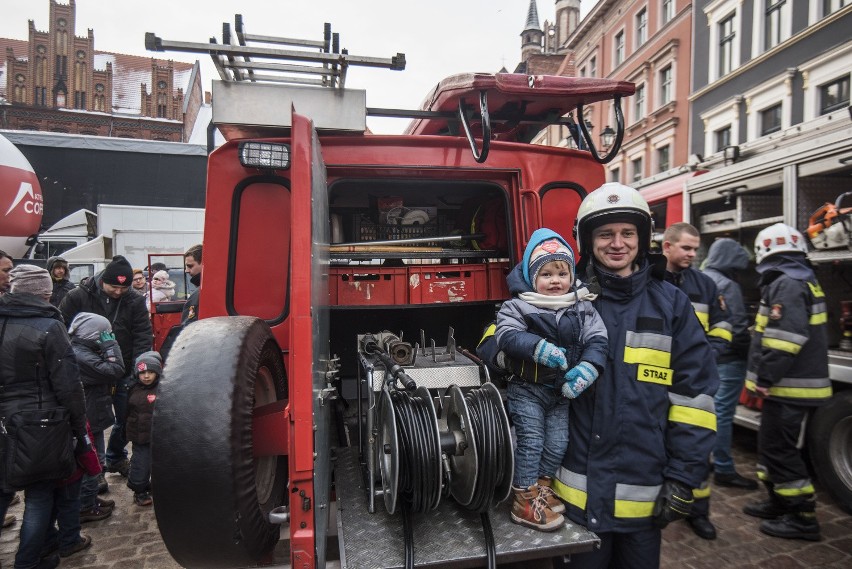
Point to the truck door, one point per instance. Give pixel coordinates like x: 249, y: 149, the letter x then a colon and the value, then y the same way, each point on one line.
x: 308, y: 360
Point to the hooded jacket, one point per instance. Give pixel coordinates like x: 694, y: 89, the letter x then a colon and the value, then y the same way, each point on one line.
x: 127, y: 314
x: 724, y: 260
x: 521, y: 325
x: 61, y: 287
x: 36, y: 360
x: 789, y: 348
x: 101, y: 365
x: 140, y: 411
x: 650, y: 416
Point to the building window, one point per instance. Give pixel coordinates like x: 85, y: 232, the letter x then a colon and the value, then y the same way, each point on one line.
x: 832, y: 6
x: 583, y: 71
x: 619, y: 48
x: 40, y: 96
x: 61, y: 66
x: 772, y: 22
x: 637, y: 169
x: 80, y: 100
x: 663, y: 162
x: 666, y: 85
x: 593, y: 67
x: 639, y: 103
x: 615, y: 175
x: 770, y: 120
x: 726, y: 45
x: 834, y: 95
x: 668, y: 11
x: 641, y: 27
x: 722, y: 138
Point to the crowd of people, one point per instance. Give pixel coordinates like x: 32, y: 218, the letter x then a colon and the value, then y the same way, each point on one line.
x: 86, y: 352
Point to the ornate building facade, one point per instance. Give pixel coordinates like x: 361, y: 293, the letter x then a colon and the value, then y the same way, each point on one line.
x: 56, y: 81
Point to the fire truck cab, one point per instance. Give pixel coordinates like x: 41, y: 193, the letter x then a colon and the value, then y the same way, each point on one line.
x: 330, y: 386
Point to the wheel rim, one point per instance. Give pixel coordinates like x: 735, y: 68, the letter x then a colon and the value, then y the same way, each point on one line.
x: 840, y: 450
x: 265, y: 467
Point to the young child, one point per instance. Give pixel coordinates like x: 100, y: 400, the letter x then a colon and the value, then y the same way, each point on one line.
x: 548, y: 328
x: 101, y: 365
x: 140, y: 413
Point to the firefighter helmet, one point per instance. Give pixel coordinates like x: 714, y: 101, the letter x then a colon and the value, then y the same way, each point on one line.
x: 778, y: 238
x: 613, y: 203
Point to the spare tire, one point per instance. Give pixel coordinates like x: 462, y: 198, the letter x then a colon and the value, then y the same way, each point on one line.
x: 211, y: 496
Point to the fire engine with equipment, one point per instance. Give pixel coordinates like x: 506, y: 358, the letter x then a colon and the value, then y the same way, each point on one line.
x: 330, y: 384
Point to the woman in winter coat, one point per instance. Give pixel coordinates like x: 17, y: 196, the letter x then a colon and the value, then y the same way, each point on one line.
x: 162, y: 288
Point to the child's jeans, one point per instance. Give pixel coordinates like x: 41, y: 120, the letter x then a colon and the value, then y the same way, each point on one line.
x: 139, y: 478
x: 540, y: 416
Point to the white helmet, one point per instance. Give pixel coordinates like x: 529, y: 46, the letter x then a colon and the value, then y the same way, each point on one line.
x: 778, y: 238
x: 612, y: 203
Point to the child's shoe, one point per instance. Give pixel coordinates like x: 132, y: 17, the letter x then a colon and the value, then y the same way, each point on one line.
x: 553, y: 501
x: 143, y: 499
x: 529, y: 508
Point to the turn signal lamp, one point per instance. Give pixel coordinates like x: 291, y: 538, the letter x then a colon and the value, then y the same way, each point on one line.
x: 266, y: 155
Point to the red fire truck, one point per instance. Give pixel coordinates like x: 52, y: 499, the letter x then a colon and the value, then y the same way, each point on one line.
x: 330, y: 386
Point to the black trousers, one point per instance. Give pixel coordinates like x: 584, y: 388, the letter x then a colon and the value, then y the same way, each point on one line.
x: 780, y: 427
x: 634, y: 550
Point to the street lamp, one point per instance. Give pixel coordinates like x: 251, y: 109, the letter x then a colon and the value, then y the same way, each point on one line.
x: 607, y: 138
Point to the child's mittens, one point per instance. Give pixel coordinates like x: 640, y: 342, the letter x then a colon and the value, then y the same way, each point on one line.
x: 578, y: 379
x: 550, y: 355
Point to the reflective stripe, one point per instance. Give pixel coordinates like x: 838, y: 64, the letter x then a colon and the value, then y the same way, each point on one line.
x: 699, y: 411
x: 762, y: 318
x: 780, y: 345
x: 819, y: 314
x: 802, y: 487
x: 571, y: 487
x: 720, y: 332
x: 703, y: 312
x: 488, y: 333
x: 703, y: 492
x: 812, y: 388
x: 648, y: 348
x: 791, y: 337
x: 633, y: 501
x: 816, y: 290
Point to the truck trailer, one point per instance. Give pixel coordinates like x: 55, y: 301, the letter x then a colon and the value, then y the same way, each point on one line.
x: 329, y: 393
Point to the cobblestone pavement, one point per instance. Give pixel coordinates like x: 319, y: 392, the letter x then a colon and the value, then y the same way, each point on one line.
x: 129, y: 539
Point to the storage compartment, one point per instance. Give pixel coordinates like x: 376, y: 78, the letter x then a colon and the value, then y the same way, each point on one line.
x: 447, y: 283
x: 367, y: 286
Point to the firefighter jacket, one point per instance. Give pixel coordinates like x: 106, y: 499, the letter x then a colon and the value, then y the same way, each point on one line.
x: 520, y: 326
x: 789, y: 348
x: 706, y: 302
x: 650, y: 416
x: 37, y: 364
x: 128, y: 315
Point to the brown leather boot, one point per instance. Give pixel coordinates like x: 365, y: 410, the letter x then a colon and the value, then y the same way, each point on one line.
x: 530, y: 509
x: 545, y: 490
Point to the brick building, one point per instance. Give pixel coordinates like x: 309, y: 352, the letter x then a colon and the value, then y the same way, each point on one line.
x: 56, y: 81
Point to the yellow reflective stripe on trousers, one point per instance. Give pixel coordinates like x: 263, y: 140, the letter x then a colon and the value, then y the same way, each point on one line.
x: 794, y: 488
x: 701, y: 493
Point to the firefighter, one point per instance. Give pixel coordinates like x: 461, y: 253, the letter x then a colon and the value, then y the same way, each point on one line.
x: 680, y: 244
x: 788, y: 367
x: 641, y: 435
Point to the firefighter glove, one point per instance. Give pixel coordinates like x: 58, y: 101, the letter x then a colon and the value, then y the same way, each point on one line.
x: 674, y: 502
x: 578, y: 379
x: 550, y: 355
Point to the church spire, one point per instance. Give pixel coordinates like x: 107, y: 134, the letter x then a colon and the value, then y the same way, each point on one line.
x: 532, y: 17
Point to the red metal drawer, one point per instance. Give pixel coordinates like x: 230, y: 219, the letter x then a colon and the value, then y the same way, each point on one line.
x: 497, y: 287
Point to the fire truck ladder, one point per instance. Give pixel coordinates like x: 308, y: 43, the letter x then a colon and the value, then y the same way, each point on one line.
x: 325, y: 64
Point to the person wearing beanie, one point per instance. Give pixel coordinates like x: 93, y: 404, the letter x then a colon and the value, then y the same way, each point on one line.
x: 101, y: 366
x: 108, y: 294
x: 37, y: 367
x: 557, y: 346
x: 58, y: 269
x: 140, y: 415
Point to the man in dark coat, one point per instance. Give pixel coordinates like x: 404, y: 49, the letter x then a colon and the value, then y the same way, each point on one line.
x: 107, y: 294
x: 58, y: 269
x: 37, y: 368
x: 194, y: 267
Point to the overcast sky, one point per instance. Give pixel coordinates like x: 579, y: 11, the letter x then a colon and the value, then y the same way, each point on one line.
x: 439, y: 37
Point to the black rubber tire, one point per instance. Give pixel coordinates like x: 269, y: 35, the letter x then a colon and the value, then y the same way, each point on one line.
x: 830, y: 447
x: 211, y: 498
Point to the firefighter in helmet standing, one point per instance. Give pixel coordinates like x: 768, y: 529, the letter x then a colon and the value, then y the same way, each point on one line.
x: 788, y: 367
x: 641, y: 435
